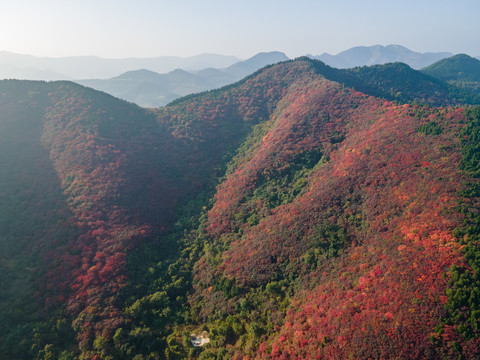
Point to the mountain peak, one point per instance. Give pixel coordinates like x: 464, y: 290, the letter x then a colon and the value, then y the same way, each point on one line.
x: 270, y: 55
x: 259, y: 60
x: 379, y: 54
x: 137, y: 75
x: 461, y: 70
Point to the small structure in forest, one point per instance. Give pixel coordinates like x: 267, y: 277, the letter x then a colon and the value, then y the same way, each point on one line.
x: 199, y: 339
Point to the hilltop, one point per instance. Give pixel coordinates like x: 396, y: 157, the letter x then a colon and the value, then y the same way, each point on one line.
x: 378, y: 54
x: 150, y: 89
x: 460, y: 70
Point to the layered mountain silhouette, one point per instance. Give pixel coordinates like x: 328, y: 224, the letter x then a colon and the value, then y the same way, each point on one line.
x: 302, y: 212
x: 378, y: 54
x: 28, y: 67
x: 150, y: 89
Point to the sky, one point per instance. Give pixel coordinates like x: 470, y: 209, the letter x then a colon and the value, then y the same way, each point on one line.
x: 150, y: 28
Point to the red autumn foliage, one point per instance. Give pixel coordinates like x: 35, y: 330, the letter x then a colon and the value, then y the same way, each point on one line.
x: 402, y: 185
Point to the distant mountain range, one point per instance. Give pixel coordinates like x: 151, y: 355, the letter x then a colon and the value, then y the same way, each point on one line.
x: 17, y: 66
x: 156, y: 81
x: 28, y: 67
x: 378, y: 54
x: 150, y: 89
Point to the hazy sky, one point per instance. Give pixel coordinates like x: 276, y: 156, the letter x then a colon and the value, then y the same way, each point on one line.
x: 148, y: 28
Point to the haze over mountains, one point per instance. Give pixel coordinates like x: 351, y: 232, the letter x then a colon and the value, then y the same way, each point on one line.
x: 17, y: 66
x: 157, y: 81
x: 29, y: 67
x: 150, y: 89
x: 378, y: 54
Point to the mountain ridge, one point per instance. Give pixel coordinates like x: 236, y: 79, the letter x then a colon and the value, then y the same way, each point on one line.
x: 87, y: 67
x: 391, y: 81
x: 460, y: 70
x: 160, y: 89
x: 378, y: 54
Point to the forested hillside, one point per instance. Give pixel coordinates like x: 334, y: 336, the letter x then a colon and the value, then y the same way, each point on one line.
x: 303, y: 212
x: 91, y: 180
x: 460, y: 70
